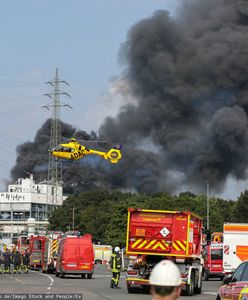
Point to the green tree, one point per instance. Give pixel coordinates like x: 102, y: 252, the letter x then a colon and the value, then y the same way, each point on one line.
x: 241, y: 211
x: 103, y: 213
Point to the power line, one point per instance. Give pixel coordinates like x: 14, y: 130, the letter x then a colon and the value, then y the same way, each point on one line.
x: 9, y: 135
x: 5, y: 165
x: 20, y: 85
x: 19, y: 98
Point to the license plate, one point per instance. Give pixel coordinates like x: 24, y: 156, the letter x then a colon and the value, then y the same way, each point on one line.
x: 216, y: 266
x: 84, y: 267
x: 71, y: 265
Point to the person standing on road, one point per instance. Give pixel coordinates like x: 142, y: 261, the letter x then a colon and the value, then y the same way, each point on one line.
x: 115, y: 264
x: 165, y: 281
x: 26, y: 260
x: 1, y: 262
x: 16, y: 256
x: 6, y: 261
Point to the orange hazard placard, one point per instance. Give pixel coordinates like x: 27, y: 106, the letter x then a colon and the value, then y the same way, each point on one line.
x: 242, y: 252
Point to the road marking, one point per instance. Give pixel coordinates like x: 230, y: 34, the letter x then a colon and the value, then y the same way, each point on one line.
x: 17, y: 279
x: 102, y: 275
x: 210, y: 293
x: 48, y: 276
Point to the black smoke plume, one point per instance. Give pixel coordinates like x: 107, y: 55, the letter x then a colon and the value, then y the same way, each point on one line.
x: 32, y: 157
x: 189, y: 76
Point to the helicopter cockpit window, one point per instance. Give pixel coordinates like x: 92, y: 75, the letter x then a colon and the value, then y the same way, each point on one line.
x: 68, y: 149
x: 58, y: 148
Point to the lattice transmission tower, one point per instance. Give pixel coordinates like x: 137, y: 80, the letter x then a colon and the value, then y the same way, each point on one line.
x: 54, y: 176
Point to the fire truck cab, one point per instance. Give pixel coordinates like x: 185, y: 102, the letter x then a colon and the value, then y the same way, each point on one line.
x: 23, y: 243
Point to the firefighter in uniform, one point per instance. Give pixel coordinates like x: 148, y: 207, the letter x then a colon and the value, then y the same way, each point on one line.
x: 25, y: 260
x: 1, y: 262
x: 165, y: 281
x: 115, y: 264
x: 17, y: 257
x: 6, y: 261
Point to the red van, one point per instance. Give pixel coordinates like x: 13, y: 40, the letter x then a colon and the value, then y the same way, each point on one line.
x: 75, y: 256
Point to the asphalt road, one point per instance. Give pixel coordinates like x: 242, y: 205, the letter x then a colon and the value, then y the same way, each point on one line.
x: 31, y: 285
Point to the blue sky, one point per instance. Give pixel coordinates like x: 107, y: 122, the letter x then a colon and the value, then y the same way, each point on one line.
x: 82, y: 39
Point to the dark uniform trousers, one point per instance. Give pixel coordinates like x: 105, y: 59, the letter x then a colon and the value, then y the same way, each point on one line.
x: 17, y: 262
x: 6, y: 261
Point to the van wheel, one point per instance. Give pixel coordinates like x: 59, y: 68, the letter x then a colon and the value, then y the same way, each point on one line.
x: 89, y: 276
x: 83, y: 275
x: 61, y: 274
x: 205, y: 275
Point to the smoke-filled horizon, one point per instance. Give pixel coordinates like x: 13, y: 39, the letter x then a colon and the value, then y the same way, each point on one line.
x: 188, y: 77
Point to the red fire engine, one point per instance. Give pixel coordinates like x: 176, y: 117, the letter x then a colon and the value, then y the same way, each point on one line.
x: 37, y: 249
x: 155, y: 235
x: 213, y: 257
x: 23, y: 243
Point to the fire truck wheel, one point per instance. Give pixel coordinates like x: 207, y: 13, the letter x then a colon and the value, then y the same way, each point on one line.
x: 131, y: 290
x: 146, y: 289
x: 89, y: 276
x: 190, y: 287
x: 83, y: 275
x: 198, y: 289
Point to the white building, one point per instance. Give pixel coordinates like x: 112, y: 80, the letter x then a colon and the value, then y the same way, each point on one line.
x: 27, y: 206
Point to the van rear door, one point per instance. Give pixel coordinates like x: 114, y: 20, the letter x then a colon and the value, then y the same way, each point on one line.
x: 71, y: 257
x: 86, y: 257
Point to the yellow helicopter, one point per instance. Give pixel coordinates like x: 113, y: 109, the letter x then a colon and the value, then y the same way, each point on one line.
x: 73, y: 150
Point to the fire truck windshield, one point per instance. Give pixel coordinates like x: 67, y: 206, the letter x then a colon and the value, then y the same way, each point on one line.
x: 25, y: 240
x: 37, y: 245
x: 216, y: 254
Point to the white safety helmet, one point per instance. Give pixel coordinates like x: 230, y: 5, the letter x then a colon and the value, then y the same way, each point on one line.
x: 165, y: 273
x: 117, y: 249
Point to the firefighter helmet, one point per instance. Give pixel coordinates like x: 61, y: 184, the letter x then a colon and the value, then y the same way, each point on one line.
x: 165, y: 273
x: 117, y: 249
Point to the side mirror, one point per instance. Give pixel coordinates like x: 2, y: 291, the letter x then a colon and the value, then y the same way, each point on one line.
x: 227, y: 279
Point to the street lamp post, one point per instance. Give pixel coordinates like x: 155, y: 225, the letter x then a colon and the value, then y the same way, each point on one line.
x: 11, y: 216
x: 73, y: 217
x: 207, y: 204
x: 38, y: 212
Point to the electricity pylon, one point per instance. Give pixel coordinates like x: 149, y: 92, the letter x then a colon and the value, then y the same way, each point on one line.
x: 54, y: 177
